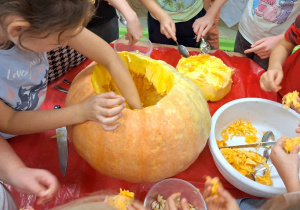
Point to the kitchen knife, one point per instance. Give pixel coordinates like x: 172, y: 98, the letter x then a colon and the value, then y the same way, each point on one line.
x: 62, y: 146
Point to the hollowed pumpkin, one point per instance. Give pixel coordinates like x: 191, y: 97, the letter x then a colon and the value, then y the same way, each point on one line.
x: 156, y: 142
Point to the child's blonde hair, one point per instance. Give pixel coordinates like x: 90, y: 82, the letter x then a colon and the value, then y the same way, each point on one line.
x: 46, y: 16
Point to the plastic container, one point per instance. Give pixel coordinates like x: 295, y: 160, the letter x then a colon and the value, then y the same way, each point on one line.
x: 143, y: 46
x: 169, y: 186
x: 264, y: 115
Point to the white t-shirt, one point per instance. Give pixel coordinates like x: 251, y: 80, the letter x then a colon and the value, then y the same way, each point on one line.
x: 264, y: 18
x: 23, y: 79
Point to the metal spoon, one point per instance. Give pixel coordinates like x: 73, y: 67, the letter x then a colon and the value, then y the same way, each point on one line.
x: 205, y: 46
x: 269, y: 135
x: 122, y: 19
x: 253, y: 175
x: 182, y: 50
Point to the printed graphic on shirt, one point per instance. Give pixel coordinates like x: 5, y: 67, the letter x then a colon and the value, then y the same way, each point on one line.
x: 175, y: 5
x: 23, y: 84
x: 276, y: 11
x: 30, y: 95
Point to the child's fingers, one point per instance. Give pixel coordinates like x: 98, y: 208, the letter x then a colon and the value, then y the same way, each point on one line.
x: 207, y: 191
x: 109, y: 102
x: 111, y: 112
x: 111, y: 127
x: 295, y: 150
x: 184, y: 204
x: 171, y: 201
x: 111, y: 94
x: 280, y: 142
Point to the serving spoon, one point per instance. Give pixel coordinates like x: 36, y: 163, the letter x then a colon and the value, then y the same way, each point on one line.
x: 182, y: 50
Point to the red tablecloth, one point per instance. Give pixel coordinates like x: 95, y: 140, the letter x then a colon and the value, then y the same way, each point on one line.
x: 40, y: 151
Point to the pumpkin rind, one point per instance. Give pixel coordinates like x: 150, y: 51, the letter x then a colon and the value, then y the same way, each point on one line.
x: 159, y: 141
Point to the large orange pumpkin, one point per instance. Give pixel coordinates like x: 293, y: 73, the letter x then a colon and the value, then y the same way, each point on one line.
x: 156, y: 142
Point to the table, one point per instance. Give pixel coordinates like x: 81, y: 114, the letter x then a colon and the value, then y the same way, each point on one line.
x: 40, y: 150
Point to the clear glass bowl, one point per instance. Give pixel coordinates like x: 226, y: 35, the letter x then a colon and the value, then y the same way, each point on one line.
x: 143, y: 46
x: 167, y: 187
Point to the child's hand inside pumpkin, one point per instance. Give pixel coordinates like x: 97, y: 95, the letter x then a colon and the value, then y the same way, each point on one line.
x: 105, y: 109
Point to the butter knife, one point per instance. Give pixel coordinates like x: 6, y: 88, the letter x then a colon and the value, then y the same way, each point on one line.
x: 270, y: 143
x: 62, y: 146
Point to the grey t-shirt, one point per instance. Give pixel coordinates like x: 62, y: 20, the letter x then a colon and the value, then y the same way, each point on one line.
x: 7, y: 202
x: 23, y: 79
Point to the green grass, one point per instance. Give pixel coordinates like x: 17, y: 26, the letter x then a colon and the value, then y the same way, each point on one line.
x: 122, y: 32
x: 225, y: 44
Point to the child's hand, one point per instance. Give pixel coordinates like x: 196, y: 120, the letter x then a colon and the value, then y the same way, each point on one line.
x: 223, y: 200
x: 134, y: 30
x: 172, y: 204
x: 287, y: 165
x: 271, y: 79
x: 136, y: 206
x: 105, y: 109
x: 167, y: 27
x: 264, y: 47
x: 39, y: 182
x: 202, y: 25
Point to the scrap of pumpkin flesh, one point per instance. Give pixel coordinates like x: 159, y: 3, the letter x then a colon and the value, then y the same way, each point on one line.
x: 245, y: 162
x: 152, y: 79
x: 122, y: 200
x: 238, y: 128
x: 290, y: 143
x: 209, y: 73
x: 291, y: 99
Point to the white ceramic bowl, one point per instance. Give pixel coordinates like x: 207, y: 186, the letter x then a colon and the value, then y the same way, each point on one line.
x: 169, y: 186
x: 143, y: 46
x: 264, y: 115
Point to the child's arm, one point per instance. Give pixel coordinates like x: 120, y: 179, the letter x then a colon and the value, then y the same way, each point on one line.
x: 134, y: 27
x: 103, y: 108
x: 287, y: 165
x: 271, y: 79
x: 167, y: 25
x: 203, y: 24
x: 26, y: 180
x: 95, y: 48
